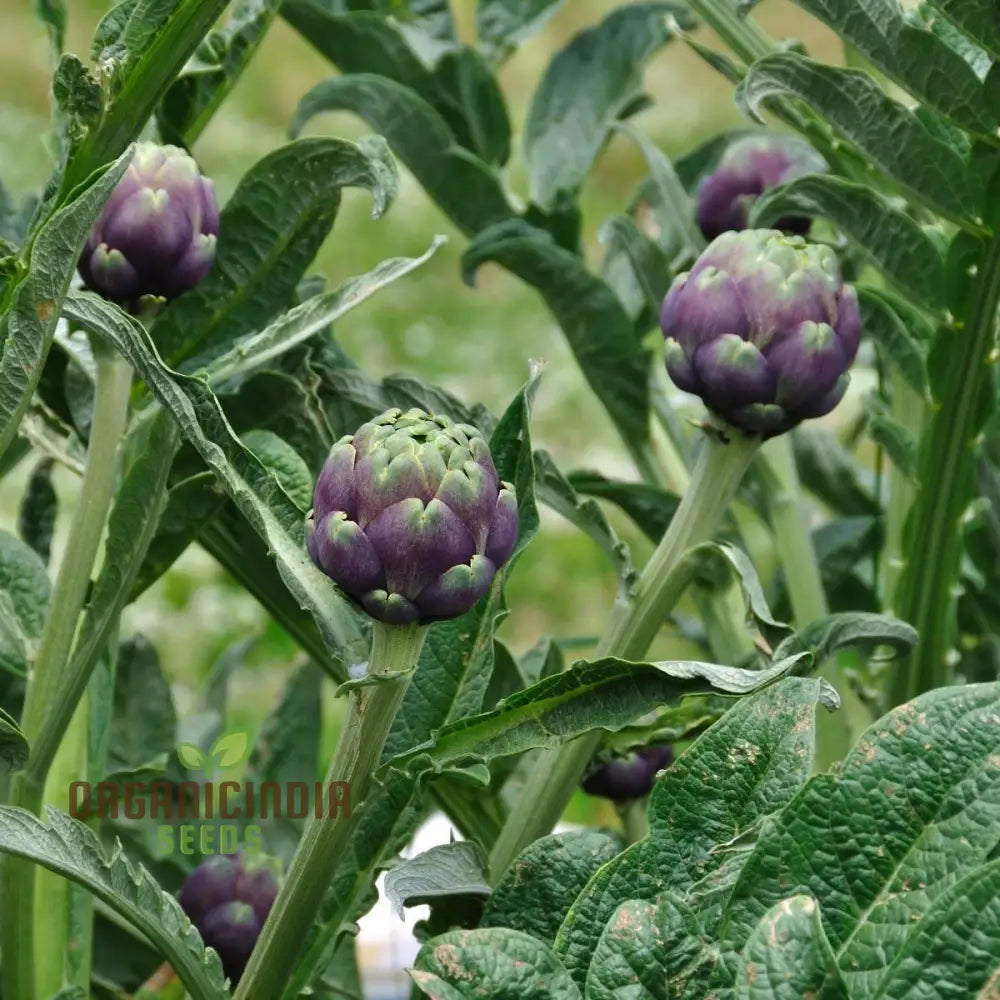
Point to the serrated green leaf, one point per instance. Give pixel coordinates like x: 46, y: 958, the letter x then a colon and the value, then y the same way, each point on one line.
x: 483, y: 964
x: 636, y: 269
x: 829, y: 471
x: 921, y: 784
x: 977, y: 18
x: 251, y: 487
x: 748, y: 765
x: 534, y: 894
x: 588, y: 86
x: 601, y: 694
x: 464, y: 187
x: 598, y: 329
x: 502, y: 24
x: 68, y: 848
x: 788, y: 956
x: 455, y: 869
x: 650, y: 951
x: 916, y: 59
x: 270, y: 230
x: 24, y: 602
x: 78, y: 97
x: 888, y: 237
x: 881, y: 128
x: 31, y: 321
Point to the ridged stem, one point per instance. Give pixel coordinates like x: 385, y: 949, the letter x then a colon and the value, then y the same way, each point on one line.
x: 373, y: 706
x: 631, y: 629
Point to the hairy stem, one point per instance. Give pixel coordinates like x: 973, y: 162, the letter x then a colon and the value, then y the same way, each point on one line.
x: 114, y: 378
x: 395, y: 649
x: 631, y: 629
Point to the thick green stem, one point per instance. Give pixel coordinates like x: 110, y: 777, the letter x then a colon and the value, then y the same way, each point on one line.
x: 925, y: 595
x: 631, y: 629
x: 741, y: 34
x: 395, y: 649
x: 114, y: 377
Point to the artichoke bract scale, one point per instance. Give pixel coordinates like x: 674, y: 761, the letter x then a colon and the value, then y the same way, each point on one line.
x: 157, y: 232
x: 410, y: 518
x: 763, y: 329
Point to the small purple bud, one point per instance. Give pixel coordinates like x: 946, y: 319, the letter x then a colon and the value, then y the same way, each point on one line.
x: 232, y: 930
x: 628, y: 778
x: 157, y: 232
x: 211, y: 884
x: 748, y: 168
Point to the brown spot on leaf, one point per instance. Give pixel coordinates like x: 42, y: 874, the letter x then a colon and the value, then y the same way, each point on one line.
x: 45, y: 310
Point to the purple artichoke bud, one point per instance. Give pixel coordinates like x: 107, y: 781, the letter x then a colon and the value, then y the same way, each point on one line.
x: 410, y: 519
x: 763, y: 329
x: 157, y: 233
x: 746, y: 170
x: 257, y: 883
x: 210, y: 885
x: 631, y: 777
x: 232, y: 930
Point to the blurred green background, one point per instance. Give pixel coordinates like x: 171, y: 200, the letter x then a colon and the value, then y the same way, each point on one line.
x: 474, y: 342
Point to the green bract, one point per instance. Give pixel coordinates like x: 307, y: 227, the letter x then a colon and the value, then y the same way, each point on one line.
x: 410, y: 518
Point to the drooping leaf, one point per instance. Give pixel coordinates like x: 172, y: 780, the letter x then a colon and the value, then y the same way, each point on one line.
x: 52, y: 13
x: 601, y: 694
x: 894, y: 336
x: 916, y: 59
x: 69, y: 848
x: 825, y: 636
x: 788, y: 956
x: 269, y: 233
x: 251, y: 487
x: 455, y: 869
x: 36, y: 516
x: 535, y: 892
x: 898, y: 440
x: 649, y: 507
x: 890, y: 239
x: 484, y: 963
x: 921, y: 783
x: 881, y: 128
x: 596, y: 326
x: 829, y: 471
x: 464, y: 187
x: 590, y: 84
x: 31, y: 321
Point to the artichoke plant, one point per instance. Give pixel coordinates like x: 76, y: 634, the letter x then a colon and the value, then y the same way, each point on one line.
x: 763, y: 329
x: 157, y: 232
x: 410, y: 518
x: 625, y: 779
x: 745, y: 171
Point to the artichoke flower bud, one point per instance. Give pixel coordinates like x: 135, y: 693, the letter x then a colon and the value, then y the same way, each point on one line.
x: 746, y: 170
x: 628, y: 778
x: 410, y: 518
x: 763, y: 329
x: 157, y: 232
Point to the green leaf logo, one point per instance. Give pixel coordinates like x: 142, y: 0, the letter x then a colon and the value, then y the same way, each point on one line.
x: 190, y: 756
x: 229, y: 749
